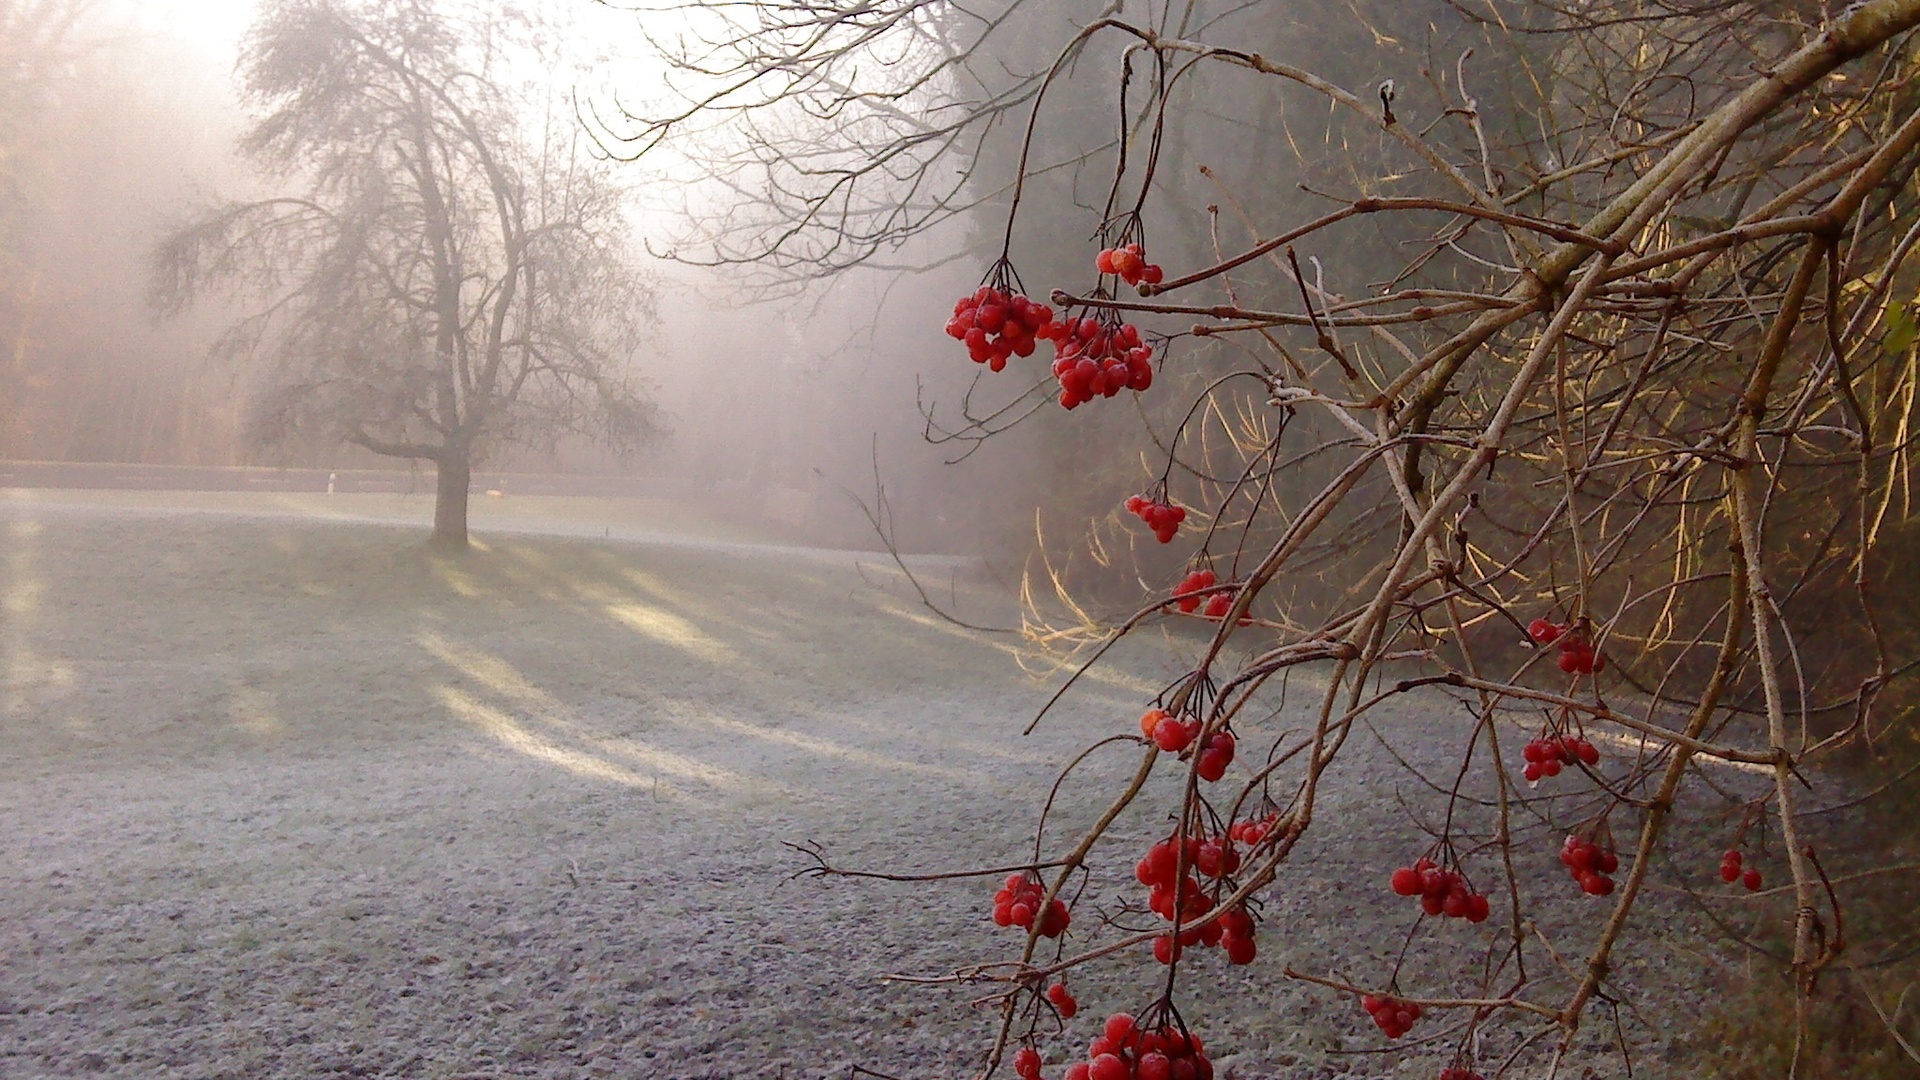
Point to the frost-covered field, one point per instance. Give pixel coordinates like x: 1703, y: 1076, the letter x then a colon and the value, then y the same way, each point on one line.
x: 286, y: 795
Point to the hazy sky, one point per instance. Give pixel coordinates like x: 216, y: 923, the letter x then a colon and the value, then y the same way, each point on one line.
x: 214, y: 24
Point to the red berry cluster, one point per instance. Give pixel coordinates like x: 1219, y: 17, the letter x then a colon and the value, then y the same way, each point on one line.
x: 1019, y: 901
x: 1186, y: 594
x: 1577, y: 654
x: 1590, y: 864
x: 1222, y: 602
x: 1457, y: 1073
x: 1163, y: 518
x: 1730, y: 871
x: 1130, y: 262
x: 1092, y: 359
x: 1167, y: 731
x: 1251, y: 831
x: 1172, y: 735
x: 1063, y: 1000
x: 1394, y: 1016
x: 1169, y: 894
x: 996, y: 324
x: 1441, y: 891
x: 1026, y: 1063
x: 1126, y: 1051
x: 1216, y: 753
x: 1545, y: 757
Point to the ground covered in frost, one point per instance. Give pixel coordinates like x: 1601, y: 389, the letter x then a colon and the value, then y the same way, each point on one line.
x: 286, y: 795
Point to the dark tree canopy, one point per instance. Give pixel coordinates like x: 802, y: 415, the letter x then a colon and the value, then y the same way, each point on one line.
x: 439, y: 278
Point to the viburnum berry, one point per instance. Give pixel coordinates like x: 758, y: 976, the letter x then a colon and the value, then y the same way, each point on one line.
x: 1022, y: 899
x: 1590, y: 865
x: 1170, y: 894
x: 1546, y: 757
x: 1394, y: 1016
x: 1730, y: 871
x: 1062, y: 999
x: 1236, y: 936
x: 1730, y: 866
x: 1578, y: 656
x: 1216, y: 753
x: 1093, y: 359
x: 1222, y: 602
x: 1186, y: 594
x: 997, y: 323
x: 1128, y: 1051
x: 1173, y: 734
x: 1441, y: 891
x: 1251, y: 831
x: 1162, y: 517
x: 1026, y: 1063
x: 1216, y: 858
x: 1129, y: 261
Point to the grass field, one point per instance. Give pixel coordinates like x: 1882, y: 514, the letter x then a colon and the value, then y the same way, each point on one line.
x: 287, y: 795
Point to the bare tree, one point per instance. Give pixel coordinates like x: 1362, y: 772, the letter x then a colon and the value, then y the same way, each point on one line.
x: 441, y: 281
x: 1576, y: 411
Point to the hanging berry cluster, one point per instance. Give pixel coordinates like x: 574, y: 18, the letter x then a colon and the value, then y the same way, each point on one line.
x: 1251, y: 831
x: 1589, y: 863
x: 1170, y: 894
x: 1095, y: 359
x: 1130, y: 262
x: 1216, y: 753
x: 1127, y: 1051
x: 997, y: 323
x: 1187, y: 594
x: 1173, y: 734
x: 1577, y: 654
x: 1020, y: 901
x: 1162, y: 517
x: 1546, y: 757
x: 1441, y: 891
x: 1730, y: 871
x: 1167, y: 731
x: 1222, y: 602
x: 1395, y: 1017
x: 1063, y: 1000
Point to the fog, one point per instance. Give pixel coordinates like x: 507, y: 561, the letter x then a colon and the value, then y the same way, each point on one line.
x: 779, y: 403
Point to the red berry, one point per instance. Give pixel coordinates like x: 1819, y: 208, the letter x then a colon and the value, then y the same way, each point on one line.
x: 1751, y: 879
x: 1063, y: 1000
x: 1406, y: 881
x: 1026, y: 1063
x: 1172, y: 735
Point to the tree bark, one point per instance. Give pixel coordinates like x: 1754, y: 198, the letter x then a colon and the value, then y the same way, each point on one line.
x: 453, y: 474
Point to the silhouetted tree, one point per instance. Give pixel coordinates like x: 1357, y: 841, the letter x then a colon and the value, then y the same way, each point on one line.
x: 438, y: 281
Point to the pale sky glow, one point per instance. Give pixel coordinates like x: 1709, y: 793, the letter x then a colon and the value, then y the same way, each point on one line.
x: 214, y: 25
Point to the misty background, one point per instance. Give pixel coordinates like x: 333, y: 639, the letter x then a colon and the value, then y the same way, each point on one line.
x: 787, y: 392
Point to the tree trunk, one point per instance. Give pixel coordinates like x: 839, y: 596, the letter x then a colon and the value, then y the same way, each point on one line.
x: 454, y: 472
